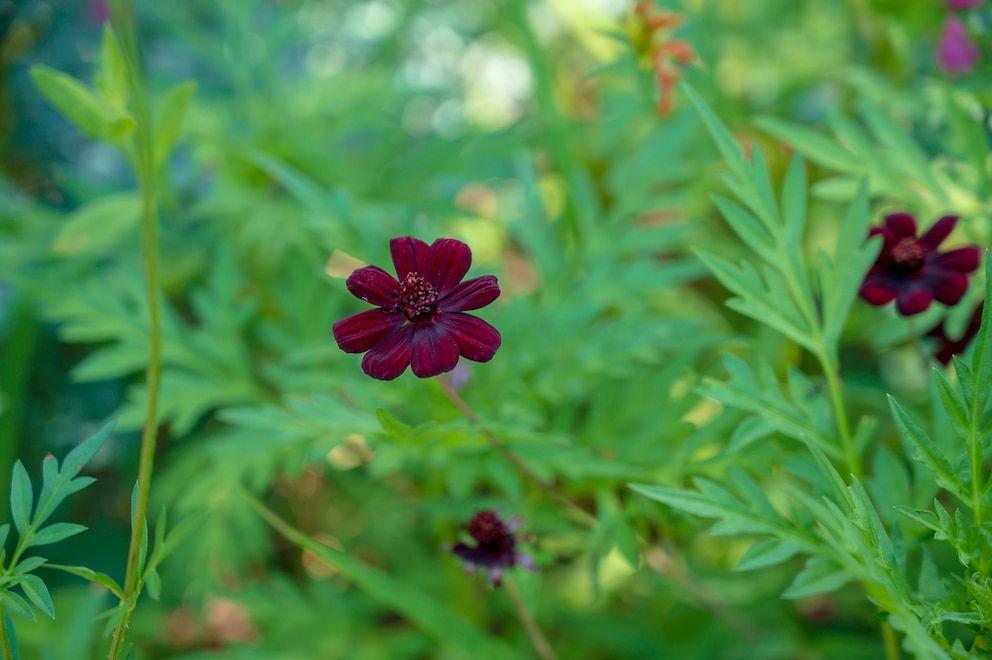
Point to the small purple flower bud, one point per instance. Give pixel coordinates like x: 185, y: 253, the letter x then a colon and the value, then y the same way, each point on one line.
x: 956, y: 52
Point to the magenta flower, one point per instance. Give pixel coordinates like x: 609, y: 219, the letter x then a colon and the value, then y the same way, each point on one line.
x: 956, y: 52
x: 963, y: 4
x: 495, y: 549
x: 912, y: 272
x: 420, y: 320
x: 947, y: 347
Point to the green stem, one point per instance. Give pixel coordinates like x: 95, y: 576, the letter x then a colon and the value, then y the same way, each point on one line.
x: 831, y: 373
x: 891, y: 643
x: 537, y: 638
x: 144, y: 163
x: 5, y: 649
x: 514, y: 460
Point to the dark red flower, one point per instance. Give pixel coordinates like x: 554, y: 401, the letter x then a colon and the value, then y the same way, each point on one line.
x: 912, y: 272
x: 420, y: 320
x: 495, y: 549
x: 947, y: 347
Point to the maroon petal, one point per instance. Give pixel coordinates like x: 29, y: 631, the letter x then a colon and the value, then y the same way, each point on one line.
x: 373, y: 285
x: 901, y: 225
x: 408, y: 254
x: 964, y: 260
x: 940, y: 230
x: 446, y: 263
x: 390, y: 358
x: 433, y: 351
x: 950, y: 287
x: 913, y: 300
x: 359, y: 333
x: 477, y: 340
x: 878, y: 289
x: 471, y: 294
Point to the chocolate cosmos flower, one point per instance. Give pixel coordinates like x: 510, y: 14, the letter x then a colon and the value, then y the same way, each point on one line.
x: 495, y: 549
x: 912, y: 272
x: 420, y: 320
x: 947, y: 347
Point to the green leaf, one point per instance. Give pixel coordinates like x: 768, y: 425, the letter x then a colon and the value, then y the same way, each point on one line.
x: 169, y: 119
x: 15, y: 605
x: 726, y: 144
x: 92, y: 576
x: 49, y: 478
x: 154, y: 584
x: 981, y: 357
x: 21, y: 497
x: 86, y: 450
x: 767, y: 553
x: 55, y: 533
x: 112, y: 78
x: 36, y: 591
x: 815, y: 146
x: 96, y: 227
x: 4, y: 531
x: 11, y: 630
x: 72, y: 99
x: 926, y: 452
x: 820, y: 576
x: 393, y: 426
x: 794, y: 205
x: 28, y: 564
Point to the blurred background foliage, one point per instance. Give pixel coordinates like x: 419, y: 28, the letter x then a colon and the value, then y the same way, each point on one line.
x: 319, y: 129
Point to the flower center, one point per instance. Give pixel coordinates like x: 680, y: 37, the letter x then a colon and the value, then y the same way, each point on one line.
x: 489, y: 530
x: 416, y: 296
x: 907, y: 255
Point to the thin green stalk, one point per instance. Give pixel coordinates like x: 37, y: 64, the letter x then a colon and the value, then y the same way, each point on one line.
x: 5, y: 648
x: 144, y: 164
x: 891, y: 643
x: 537, y: 638
x: 832, y: 374
x: 514, y: 460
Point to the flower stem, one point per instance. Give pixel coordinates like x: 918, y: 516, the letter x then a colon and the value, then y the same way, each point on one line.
x: 891, y: 643
x: 537, y: 638
x: 5, y: 649
x: 514, y: 460
x: 144, y: 165
x: 832, y: 374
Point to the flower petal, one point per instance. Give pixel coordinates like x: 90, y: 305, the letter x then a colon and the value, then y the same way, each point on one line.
x: 950, y: 287
x: 913, y: 300
x: 373, y: 285
x: 471, y: 294
x: 901, y: 225
x: 477, y: 340
x: 432, y: 351
x: 408, y: 254
x: 446, y: 263
x: 964, y: 260
x: 359, y: 333
x: 390, y: 358
x: 940, y: 230
x: 878, y: 288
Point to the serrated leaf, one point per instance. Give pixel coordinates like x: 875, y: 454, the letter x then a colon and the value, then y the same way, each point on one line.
x: 36, y: 591
x: 820, y: 576
x: 925, y: 451
x: 55, y: 532
x: 169, y: 119
x: 769, y: 552
x: 96, y: 227
x: 981, y: 357
x: 92, y: 576
x: 21, y: 497
x: 952, y: 403
x: 73, y: 99
x: 16, y: 605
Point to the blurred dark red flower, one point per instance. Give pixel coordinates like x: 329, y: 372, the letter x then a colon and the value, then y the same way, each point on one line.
x: 420, y: 320
x: 912, y: 272
x: 947, y: 347
x: 956, y: 52
x: 495, y: 549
